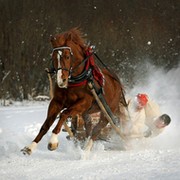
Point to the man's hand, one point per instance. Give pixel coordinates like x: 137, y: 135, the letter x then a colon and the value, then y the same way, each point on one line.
x: 147, y: 133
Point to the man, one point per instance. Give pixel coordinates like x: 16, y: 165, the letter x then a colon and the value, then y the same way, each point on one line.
x: 143, y: 118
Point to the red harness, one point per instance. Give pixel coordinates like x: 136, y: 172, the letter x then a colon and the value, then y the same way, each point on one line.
x: 84, y: 82
x: 89, y: 68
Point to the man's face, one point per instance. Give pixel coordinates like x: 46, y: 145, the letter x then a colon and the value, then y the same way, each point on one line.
x: 159, y: 123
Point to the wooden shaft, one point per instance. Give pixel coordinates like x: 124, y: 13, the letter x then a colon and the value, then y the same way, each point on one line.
x: 68, y: 129
x: 50, y: 84
x: 104, y: 111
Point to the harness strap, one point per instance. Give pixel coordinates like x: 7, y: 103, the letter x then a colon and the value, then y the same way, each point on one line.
x: 103, y: 101
x: 90, y: 70
x: 115, y: 77
x: 80, y: 80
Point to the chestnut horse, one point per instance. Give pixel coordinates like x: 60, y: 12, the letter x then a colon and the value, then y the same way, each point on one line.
x: 74, y: 65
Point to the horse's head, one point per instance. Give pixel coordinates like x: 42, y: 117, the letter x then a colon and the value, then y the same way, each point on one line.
x: 68, y: 53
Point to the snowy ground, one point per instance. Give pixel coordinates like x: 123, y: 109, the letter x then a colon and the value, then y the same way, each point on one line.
x: 157, y: 158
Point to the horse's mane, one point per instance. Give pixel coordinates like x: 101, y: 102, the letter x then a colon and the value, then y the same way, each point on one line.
x: 74, y: 35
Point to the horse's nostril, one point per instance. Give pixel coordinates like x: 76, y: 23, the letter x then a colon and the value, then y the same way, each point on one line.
x: 64, y: 80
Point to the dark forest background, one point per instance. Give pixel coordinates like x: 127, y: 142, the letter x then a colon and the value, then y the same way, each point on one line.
x: 126, y: 33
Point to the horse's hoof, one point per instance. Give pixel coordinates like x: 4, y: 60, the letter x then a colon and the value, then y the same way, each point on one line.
x: 52, y: 146
x: 26, y: 151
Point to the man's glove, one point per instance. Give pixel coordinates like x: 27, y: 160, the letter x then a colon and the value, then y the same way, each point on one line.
x: 147, y: 133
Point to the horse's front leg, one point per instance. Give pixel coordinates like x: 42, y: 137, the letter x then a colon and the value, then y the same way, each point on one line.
x: 78, y: 108
x: 53, y: 111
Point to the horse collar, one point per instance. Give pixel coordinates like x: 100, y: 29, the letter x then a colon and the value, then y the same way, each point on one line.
x: 82, y: 78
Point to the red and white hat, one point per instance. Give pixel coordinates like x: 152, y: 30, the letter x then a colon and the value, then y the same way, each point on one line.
x: 142, y: 99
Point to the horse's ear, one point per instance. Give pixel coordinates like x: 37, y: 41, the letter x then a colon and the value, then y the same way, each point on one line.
x: 52, y: 38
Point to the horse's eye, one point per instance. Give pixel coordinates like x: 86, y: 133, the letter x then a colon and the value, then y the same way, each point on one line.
x: 67, y: 57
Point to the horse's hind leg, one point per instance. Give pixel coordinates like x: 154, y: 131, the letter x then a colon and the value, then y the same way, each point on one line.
x: 88, y: 123
x: 97, y: 129
x: 95, y: 132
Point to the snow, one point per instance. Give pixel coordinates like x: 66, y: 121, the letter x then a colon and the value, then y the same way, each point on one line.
x: 156, y: 158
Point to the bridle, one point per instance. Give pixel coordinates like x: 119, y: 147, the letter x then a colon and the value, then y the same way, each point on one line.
x: 59, y: 53
x: 71, y: 79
